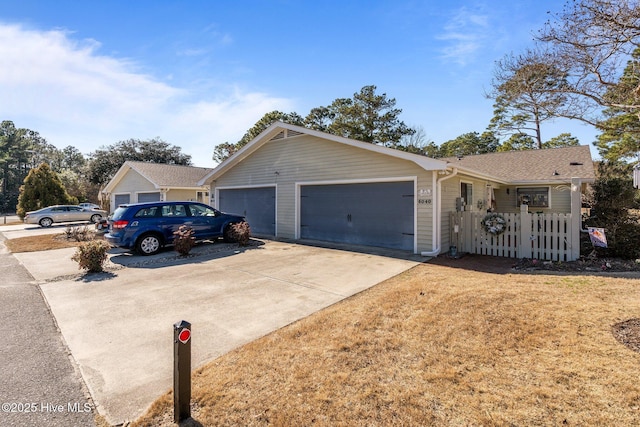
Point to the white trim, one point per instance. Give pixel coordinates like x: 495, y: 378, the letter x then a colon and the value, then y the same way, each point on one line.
x: 471, y: 202
x: 414, y: 179
x: 438, y: 215
x: 241, y: 187
x: 549, y: 192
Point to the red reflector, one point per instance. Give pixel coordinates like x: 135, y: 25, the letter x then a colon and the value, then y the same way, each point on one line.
x: 119, y: 224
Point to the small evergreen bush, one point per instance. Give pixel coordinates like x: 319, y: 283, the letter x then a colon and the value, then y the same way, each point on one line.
x: 183, y: 240
x: 91, y: 255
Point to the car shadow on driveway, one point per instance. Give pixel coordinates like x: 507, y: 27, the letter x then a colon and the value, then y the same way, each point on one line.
x: 202, y: 252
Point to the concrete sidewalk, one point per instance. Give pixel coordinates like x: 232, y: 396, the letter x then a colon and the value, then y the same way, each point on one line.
x: 119, y: 324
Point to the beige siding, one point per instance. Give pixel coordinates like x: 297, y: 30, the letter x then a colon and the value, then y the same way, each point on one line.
x: 451, y: 191
x: 560, y: 201
x: 175, y: 195
x: 291, y: 162
x: 131, y: 183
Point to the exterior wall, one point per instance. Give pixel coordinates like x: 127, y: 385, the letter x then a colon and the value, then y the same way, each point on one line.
x: 451, y: 191
x: 559, y: 202
x: 132, y: 183
x: 175, y: 195
x: 291, y: 162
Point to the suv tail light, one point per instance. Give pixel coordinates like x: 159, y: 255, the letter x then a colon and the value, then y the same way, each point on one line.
x: 119, y: 224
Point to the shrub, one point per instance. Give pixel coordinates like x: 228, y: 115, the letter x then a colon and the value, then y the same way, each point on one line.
x: 79, y: 234
x: 183, y: 240
x: 241, y: 233
x: 91, y: 255
x: 612, y: 199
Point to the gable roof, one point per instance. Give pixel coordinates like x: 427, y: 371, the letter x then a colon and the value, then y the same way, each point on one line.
x: 280, y: 130
x: 161, y: 175
x: 531, y: 166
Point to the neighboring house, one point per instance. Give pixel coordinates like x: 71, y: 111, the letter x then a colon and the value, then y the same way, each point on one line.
x: 296, y: 183
x: 148, y: 182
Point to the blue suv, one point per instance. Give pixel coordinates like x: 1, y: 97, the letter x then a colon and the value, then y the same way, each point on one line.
x: 147, y: 227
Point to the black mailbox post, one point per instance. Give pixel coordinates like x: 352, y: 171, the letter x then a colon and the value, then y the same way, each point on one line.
x: 181, y: 371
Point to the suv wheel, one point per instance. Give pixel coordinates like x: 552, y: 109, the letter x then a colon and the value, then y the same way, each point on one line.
x: 148, y: 244
x: 95, y: 218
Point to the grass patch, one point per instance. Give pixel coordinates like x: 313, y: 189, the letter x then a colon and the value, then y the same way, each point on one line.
x: 435, y: 346
x: 42, y: 242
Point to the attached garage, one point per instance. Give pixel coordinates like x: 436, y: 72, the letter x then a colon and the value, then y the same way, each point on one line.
x: 372, y: 214
x: 121, y: 199
x: 138, y: 182
x: 149, y: 197
x: 300, y: 184
x: 257, y: 204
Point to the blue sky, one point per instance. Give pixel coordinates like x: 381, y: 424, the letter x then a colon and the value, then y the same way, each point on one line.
x: 198, y: 73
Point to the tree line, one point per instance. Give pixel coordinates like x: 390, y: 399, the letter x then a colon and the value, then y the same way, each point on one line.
x: 584, y: 65
x: 82, y: 176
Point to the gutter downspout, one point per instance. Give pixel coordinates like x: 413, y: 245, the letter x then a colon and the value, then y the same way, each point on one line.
x: 437, y: 216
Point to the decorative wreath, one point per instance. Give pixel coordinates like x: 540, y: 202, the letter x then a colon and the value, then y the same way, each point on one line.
x: 494, y: 223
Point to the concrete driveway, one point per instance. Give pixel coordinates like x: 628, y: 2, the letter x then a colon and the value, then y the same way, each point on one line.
x: 119, y: 324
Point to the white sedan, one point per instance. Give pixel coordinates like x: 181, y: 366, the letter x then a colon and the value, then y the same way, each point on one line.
x: 63, y: 213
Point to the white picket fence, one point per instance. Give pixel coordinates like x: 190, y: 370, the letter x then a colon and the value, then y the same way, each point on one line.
x: 527, y: 235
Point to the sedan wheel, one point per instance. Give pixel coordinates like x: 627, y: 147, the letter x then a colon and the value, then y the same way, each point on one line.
x: 95, y: 218
x: 149, y: 245
x: 46, y: 222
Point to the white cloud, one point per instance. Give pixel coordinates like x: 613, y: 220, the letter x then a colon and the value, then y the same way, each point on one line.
x: 72, y: 95
x: 465, y: 33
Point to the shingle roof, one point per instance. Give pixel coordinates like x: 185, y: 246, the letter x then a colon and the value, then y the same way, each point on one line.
x: 553, y: 164
x: 166, y: 175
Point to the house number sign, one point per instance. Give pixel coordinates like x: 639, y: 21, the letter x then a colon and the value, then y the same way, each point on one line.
x: 424, y: 201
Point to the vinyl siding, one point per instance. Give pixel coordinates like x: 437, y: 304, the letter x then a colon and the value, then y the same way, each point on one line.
x: 451, y: 191
x: 560, y: 200
x: 177, y: 195
x: 133, y: 182
x: 505, y: 203
x: 291, y: 162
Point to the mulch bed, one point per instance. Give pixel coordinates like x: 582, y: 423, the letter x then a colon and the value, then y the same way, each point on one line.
x: 501, y: 265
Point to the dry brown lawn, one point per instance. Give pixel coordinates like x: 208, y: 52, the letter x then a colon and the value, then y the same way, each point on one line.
x: 436, y: 346
x: 43, y: 242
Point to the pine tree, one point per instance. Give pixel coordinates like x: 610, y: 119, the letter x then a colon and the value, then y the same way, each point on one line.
x: 620, y: 138
x: 42, y: 188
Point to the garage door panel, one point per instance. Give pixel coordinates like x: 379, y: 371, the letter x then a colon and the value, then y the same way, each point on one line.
x: 121, y: 199
x: 258, y: 205
x: 373, y: 214
x: 148, y: 197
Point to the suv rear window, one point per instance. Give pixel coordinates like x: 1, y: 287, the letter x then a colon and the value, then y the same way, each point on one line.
x: 118, y: 213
